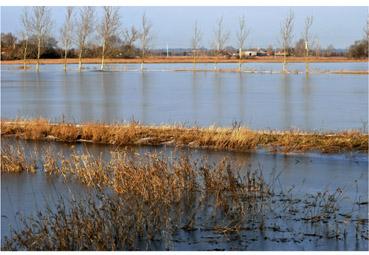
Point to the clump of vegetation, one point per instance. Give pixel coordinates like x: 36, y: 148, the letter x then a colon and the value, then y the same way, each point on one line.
x: 13, y: 160
x: 234, y: 139
x: 140, y: 202
x: 359, y: 49
x: 139, y: 199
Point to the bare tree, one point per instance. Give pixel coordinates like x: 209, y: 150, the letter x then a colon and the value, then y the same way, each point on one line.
x: 84, y: 28
x: 307, y: 40
x: 130, y: 36
x: 242, y: 35
x: 317, y: 47
x: 40, y: 25
x: 66, y: 34
x: 145, y: 37
x: 286, y: 36
x: 108, y: 28
x: 195, y: 42
x: 25, y: 33
x: 220, y: 37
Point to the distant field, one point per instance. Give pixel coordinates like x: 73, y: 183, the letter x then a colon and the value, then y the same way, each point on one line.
x: 188, y: 60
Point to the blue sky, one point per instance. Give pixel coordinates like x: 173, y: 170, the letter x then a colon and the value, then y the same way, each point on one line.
x: 339, y: 26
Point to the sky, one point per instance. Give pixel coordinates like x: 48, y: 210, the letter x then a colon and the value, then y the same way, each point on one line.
x: 339, y: 26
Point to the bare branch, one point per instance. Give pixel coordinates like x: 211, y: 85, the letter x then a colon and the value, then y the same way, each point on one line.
x: 220, y: 36
x: 84, y: 28
x: 66, y: 33
x: 287, y: 35
x: 130, y: 36
x: 108, y: 28
x: 307, y: 34
x: 40, y: 25
x: 242, y: 33
x: 196, y: 37
x: 145, y: 37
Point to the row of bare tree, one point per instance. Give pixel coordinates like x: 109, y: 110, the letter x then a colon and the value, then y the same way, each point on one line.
x: 79, y: 30
x: 80, y: 26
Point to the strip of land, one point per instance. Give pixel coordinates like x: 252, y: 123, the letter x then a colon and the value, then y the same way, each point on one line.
x: 231, y: 139
x: 269, y: 59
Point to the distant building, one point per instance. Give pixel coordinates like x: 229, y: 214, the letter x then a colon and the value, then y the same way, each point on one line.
x: 250, y: 53
x: 280, y: 54
x: 262, y: 53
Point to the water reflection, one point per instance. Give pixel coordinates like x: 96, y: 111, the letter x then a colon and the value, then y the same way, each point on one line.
x: 194, y: 95
x: 307, y: 90
x: 324, y: 102
x: 241, y: 94
x: 218, y: 97
x: 286, y: 100
x: 145, y: 104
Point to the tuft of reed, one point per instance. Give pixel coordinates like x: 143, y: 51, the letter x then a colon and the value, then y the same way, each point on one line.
x: 140, y: 199
x: 233, y: 139
x: 13, y: 160
x: 139, y: 202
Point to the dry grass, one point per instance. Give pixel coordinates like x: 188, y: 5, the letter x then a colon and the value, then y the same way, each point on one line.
x: 233, y: 139
x: 153, y: 196
x: 200, y: 59
x: 142, y: 201
x: 13, y: 160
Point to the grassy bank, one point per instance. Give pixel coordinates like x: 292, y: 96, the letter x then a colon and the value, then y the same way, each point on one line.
x: 190, y: 60
x: 233, y: 139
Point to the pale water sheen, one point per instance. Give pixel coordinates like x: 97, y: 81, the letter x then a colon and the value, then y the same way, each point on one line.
x: 260, y: 101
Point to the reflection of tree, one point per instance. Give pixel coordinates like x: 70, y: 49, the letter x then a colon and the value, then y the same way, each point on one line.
x: 144, y: 97
x: 109, y: 85
x: 67, y: 113
x: 242, y: 95
x: 286, y: 97
x: 194, y: 90
x: 218, y: 97
x: 306, y: 94
x: 87, y: 110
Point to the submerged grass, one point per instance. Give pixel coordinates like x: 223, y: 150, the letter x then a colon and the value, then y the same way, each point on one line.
x: 140, y: 199
x: 140, y: 202
x: 236, y: 139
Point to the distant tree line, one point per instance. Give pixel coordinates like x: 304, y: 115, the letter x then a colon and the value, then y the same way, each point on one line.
x: 83, y: 36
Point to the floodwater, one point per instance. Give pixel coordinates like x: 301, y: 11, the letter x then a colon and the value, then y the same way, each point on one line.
x: 298, y: 174
x: 160, y: 95
x: 167, y: 93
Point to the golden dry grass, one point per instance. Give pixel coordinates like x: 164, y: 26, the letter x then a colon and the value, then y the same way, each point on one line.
x: 152, y: 195
x: 207, y: 59
x: 233, y: 139
x: 138, y: 201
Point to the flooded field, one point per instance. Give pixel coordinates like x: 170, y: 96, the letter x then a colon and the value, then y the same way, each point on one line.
x: 293, y: 178
x: 259, y: 101
x: 210, y: 199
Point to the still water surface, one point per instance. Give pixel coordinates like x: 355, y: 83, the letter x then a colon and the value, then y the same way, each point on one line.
x: 26, y: 194
x: 260, y: 101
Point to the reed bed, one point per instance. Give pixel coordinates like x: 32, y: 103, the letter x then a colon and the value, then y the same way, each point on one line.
x: 140, y: 199
x: 236, y: 138
x: 140, y: 202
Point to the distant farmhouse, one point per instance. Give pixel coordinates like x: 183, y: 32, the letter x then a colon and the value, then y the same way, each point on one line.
x: 254, y: 53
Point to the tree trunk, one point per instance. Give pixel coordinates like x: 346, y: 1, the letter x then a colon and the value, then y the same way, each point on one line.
x: 38, y: 55
x: 239, y: 61
x: 194, y: 61
x: 306, y: 60
x: 142, y: 60
x: 25, y: 55
x: 80, y: 60
x: 284, y: 62
x: 65, y: 59
x: 102, y: 57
